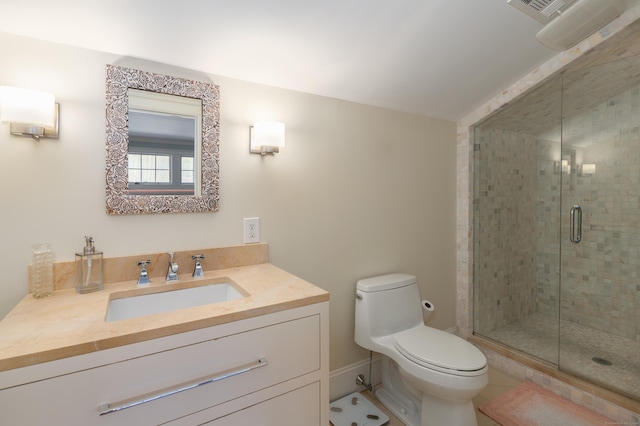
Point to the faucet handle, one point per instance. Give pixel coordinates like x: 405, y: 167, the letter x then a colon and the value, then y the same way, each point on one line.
x: 197, y: 271
x: 172, y: 263
x: 172, y: 272
x: 143, y: 278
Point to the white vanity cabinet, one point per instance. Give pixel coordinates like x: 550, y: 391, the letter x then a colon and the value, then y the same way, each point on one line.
x: 269, y: 369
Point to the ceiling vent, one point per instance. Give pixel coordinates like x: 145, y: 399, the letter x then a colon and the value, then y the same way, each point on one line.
x: 569, y: 21
x: 542, y: 11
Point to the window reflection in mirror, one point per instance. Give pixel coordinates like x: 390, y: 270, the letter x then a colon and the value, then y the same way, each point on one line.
x: 164, y: 142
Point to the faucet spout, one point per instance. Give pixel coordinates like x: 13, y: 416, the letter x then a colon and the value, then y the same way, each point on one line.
x: 172, y: 272
x: 197, y: 271
x: 143, y: 278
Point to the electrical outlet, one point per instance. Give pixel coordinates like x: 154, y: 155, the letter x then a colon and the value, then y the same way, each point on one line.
x: 251, y: 230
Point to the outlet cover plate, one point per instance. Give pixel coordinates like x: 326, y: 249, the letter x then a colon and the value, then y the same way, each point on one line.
x: 251, y: 230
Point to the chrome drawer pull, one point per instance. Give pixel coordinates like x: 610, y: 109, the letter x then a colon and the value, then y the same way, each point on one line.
x: 112, y: 408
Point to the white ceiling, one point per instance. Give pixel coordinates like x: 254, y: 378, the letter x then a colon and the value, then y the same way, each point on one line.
x: 440, y: 58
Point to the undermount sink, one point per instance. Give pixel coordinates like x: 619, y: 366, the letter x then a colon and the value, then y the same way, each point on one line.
x: 170, y: 300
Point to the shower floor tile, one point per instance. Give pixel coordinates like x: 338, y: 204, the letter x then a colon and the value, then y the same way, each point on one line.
x: 616, y: 365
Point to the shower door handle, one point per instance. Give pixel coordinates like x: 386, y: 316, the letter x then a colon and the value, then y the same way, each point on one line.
x: 575, y: 237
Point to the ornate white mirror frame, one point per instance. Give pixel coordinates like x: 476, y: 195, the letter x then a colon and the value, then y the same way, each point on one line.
x: 118, y: 81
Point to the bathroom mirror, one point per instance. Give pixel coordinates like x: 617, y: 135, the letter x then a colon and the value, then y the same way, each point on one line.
x: 165, y: 134
x: 162, y: 143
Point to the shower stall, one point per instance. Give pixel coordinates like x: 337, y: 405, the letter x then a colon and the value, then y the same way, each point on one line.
x: 556, y: 199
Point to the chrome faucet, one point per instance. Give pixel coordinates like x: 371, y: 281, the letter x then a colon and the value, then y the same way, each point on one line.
x: 144, y: 277
x: 172, y: 272
x: 197, y: 271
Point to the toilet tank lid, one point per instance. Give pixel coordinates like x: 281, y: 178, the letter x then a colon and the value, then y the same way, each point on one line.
x: 385, y: 282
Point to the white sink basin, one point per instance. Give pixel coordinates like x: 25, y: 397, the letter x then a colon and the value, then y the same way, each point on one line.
x: 171, y: 300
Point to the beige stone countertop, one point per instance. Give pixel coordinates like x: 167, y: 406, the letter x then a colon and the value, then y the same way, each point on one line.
x: 68, y: 324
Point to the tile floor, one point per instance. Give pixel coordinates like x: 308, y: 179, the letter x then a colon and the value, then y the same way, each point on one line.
x: 499, y: 383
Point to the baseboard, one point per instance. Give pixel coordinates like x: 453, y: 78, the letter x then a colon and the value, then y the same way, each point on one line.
x: 342, y: 381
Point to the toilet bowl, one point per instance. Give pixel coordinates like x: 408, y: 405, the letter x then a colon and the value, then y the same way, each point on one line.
x: 429, y: 376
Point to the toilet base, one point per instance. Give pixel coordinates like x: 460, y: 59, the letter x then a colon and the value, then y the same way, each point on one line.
x: 394, y: 395
x: 438, y: 412
x: 407, y: 413
x: 407, y: 406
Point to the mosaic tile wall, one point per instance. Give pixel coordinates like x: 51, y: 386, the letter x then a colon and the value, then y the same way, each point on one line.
x: 505, y: 228
x: 548, y: 221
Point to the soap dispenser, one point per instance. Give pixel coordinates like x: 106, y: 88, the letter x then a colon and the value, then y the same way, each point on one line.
x: 88, y: 268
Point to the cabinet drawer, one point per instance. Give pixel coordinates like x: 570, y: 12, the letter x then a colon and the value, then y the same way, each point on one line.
x: 295, y: 408
x: 290, y: 348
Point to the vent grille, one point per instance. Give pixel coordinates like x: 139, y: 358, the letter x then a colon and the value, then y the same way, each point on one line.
x: 541, y: 10
x: 538, y: 4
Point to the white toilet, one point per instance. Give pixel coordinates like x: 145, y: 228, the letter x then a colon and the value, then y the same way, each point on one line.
x: 429, y: 376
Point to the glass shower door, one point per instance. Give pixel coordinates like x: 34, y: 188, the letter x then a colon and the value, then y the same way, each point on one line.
x: 516, y: 223
x: 600, y: 225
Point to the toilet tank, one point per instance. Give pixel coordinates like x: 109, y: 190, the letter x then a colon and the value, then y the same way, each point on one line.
x: 386, y: 305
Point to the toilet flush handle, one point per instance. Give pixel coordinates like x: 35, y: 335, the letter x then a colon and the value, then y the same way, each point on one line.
x: 358, y: 296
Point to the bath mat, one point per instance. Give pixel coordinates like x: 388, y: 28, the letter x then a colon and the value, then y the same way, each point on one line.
x: 530, y: 405
x: 356, y: 410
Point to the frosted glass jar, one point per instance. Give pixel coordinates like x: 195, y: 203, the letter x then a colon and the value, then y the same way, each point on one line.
x: 41, y: 270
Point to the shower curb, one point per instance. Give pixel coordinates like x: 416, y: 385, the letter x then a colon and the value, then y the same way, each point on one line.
x: 579, y: 396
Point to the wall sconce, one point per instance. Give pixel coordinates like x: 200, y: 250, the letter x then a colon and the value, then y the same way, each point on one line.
x: 562, y: 166
x: 587, y: 169
x: 29, y: 113
x: 267, y: 137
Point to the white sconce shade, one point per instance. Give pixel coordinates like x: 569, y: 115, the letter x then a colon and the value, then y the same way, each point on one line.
x: 562, y: 166
x: 267, y: 137
x: 29, y: 112
x: 588, y: 169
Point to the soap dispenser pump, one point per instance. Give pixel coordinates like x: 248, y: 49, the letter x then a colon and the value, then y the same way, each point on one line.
x: 89, y: 268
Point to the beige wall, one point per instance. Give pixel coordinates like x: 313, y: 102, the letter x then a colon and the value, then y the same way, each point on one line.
x: 358, y: 191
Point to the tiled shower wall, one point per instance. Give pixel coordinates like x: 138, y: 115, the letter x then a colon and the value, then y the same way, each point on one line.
x: 505, y: 221
x: 516, y: 205
x: 549, y: 174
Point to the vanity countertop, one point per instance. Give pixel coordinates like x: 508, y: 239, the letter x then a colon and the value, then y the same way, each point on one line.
x: 68, y: 324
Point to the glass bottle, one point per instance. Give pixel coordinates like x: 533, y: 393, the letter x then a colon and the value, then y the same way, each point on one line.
x: 41, y: 271
x: 89, y: 268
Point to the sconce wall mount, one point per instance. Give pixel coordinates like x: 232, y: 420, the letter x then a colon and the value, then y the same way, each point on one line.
x: 29, y: 113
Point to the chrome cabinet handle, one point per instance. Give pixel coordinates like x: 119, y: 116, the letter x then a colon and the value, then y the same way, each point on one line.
x: 574, y: 237
x: 122, y: 405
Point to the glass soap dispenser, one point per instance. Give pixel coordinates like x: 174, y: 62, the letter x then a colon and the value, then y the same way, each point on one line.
x: 88, y: 268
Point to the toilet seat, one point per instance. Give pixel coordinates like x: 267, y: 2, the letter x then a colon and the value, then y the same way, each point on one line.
x: 441, y: 351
